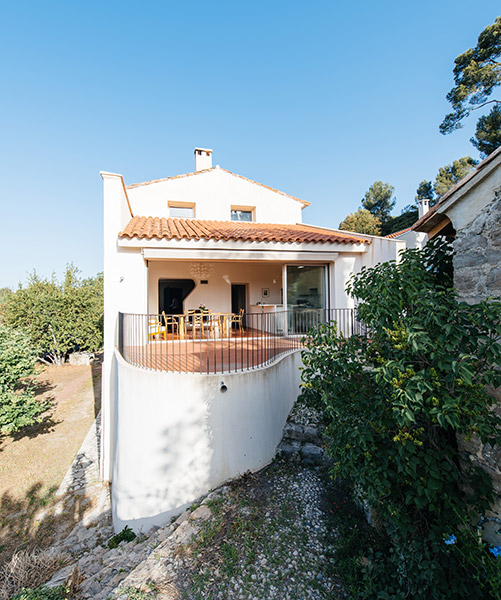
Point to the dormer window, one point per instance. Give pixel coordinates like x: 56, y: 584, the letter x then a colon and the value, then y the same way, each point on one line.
x: 181, y: 210
x: 243, y: 213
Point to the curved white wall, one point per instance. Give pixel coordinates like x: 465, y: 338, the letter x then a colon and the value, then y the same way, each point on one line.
x: 178, y: 435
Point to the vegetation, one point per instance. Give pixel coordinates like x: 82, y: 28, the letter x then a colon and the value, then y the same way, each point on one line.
x: 126, y: 535
x: 407, y: 216
x: 42, y: 593
x: 488, y: 132
x: 395, y: 403
x: 477, y: 73
x: 361, y: 221
x: 425, y: 191
x: 379, y: 201
x: 450, y: 174
x: 57, y: 317
x: 21, y: 577
x: 18, y: 406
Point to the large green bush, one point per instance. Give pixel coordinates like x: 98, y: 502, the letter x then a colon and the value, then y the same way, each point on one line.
x: 58, y: 317
x: 18, y: 407
x: 395, y: 403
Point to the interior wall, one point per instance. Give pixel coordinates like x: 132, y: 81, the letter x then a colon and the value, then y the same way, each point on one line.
x: 216, y: 294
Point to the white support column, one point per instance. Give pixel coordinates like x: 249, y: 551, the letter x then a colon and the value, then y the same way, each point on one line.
x: 344, y: 267
x: 331, y: 288
x: 284, y: 293
x: 116, y: 214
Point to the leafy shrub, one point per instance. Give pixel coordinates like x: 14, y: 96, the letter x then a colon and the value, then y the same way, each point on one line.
x: 58, y: 317
x: 42, y: 593
x: 125, y: 535
x: 17, y: 360
x: 394, y: 404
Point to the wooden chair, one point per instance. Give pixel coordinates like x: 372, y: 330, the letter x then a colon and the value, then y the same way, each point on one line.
x: 238, y: 320
x: 197, y: 322
x: 171, y: 323
x: 155, y: 329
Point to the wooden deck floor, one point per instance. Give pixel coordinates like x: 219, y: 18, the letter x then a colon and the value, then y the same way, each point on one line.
x: 209, y: 356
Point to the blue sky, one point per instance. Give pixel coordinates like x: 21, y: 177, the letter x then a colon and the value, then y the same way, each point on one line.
x: 318, y: 99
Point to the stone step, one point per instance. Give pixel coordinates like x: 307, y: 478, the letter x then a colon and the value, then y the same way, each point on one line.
x: 302, y: 433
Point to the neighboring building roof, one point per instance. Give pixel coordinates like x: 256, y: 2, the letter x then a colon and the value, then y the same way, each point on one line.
x: 195, y: 229
x: 433, y: 217
x: 135, y: 185
x: 397, y: 233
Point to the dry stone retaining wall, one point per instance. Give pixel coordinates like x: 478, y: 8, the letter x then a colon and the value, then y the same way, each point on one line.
x: 477, y: 276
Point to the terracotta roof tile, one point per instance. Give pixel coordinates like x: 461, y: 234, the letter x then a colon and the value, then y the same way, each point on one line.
x: 195, y: 229
x: 397, y: 233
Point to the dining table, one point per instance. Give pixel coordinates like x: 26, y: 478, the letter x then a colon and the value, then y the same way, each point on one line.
x: 217, y: 322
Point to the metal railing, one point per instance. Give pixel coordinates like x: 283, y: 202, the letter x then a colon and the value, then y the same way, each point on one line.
x: 221, y: 343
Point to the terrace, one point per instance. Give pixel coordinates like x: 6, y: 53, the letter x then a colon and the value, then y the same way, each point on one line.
x: 223, y: 342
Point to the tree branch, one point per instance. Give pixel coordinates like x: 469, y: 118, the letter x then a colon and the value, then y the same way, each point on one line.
x: 484, y: 104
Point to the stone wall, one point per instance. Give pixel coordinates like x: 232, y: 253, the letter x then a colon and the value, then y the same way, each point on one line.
x: 477, y: 276
x: 477, y: 263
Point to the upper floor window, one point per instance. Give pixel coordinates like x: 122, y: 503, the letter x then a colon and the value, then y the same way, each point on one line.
x: 182, y: 210
x: 242, y: 213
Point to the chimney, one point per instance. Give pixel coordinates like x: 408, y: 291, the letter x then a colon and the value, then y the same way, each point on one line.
x: 203, y: 159
x: 423, y: 207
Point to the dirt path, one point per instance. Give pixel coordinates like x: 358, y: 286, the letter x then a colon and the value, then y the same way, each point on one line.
x: 34, y: 461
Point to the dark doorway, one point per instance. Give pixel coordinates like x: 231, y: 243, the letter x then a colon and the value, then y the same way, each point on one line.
x: 238, y: 297
x: 172, y: 293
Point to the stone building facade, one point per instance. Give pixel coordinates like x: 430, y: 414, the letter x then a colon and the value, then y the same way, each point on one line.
x: 477, y: 260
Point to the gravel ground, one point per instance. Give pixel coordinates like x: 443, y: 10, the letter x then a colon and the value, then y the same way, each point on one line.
x: 270, y: 537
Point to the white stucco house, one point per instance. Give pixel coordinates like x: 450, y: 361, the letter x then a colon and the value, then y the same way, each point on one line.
x: 411, y: 237
x: 185, y: 408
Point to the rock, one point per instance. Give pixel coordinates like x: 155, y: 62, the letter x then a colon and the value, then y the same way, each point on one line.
x: 203, y: 512
x: 184, y: 533
x: 114, y: 581
x: 163, y: 534
x: 80, y: 358
x: 60, y: 577
x: 93, y: 588
x: 289, y: 448
x: 311, y: 454
x: 182, y: 517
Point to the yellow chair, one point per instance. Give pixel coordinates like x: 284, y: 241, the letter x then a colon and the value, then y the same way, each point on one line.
x: 170, y: 321
x: 238, y: 320
x: 197, y: 322
x: 155, y: 329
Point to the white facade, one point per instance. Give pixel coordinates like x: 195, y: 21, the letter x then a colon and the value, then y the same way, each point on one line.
x: 133, y: 269
x: 213, y: 193
x: 413, y: 239
x: 179, y: 436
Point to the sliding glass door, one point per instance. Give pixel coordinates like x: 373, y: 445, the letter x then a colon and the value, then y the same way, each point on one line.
x: 306, y: 296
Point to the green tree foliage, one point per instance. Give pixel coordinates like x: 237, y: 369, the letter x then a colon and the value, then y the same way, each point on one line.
x: 488, y: 133
x: 476, y: 73
x: 58, y: 317
x: 361, y: 221
x: 406, y: 218
x: 450, y: 174
x: 379, y: 201
x: 394, y: 403
x: 18, y: 407
x: 425, y: 192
